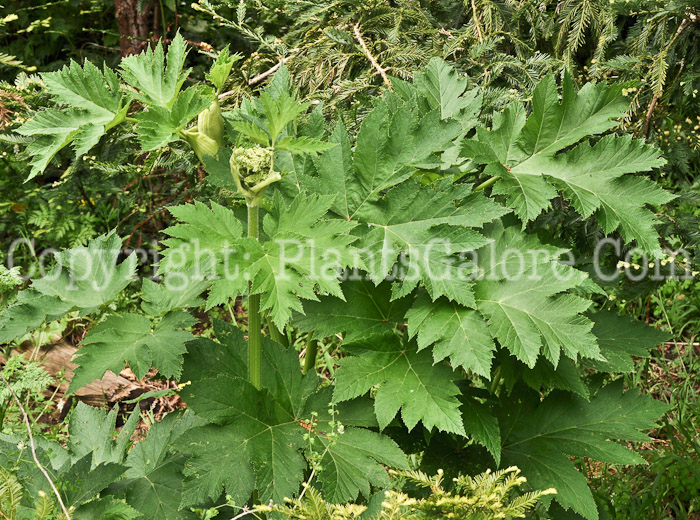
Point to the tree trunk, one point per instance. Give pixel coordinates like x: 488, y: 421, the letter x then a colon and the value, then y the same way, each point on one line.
x: 137, y: 26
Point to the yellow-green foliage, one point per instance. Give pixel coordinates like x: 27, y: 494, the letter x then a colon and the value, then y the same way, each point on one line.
x: 313, y: 507
x: 11, y: 495
x: 488, y: 496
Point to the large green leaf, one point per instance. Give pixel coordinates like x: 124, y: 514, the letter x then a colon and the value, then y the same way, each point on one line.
x: 394, y: 140
x: 557, y: 122
x: 621, y: 339
x: 89, y: 277
x: 86, y: 88
x: 92, y: 432
x: 520, y: 300
x: 264, y: 430
x: 367, y: 311
x: 153, y: 483
x: 93, y: 104
x: 519, y: 294
x: 157, y: 83
x: 132, y: 339
x: 301, y: 256
x: 206, y: 242
x: 85, y: 278
x: 304, y: 253
x: 407, y: 380
x: 429, y: 227
x: 455, y: 332
x: 531, y: 160
x: 539, y: 437
x: 201, y: 231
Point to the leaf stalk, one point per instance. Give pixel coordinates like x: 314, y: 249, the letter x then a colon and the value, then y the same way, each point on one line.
x: 311, y: 353
x: 487, y: 183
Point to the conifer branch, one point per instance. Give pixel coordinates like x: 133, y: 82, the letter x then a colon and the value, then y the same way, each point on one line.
x: 380, y: 70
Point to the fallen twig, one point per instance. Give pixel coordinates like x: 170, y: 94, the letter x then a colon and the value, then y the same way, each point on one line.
x: 33, y: 448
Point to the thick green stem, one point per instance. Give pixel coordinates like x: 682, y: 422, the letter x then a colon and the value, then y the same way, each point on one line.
x: 311, y: 353
x: 254, y: 325
x: 487, y: 183
x: 496, y: 380
x: 277, y: 335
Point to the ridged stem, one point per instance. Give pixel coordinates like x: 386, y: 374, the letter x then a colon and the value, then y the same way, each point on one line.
x: 311, y: 353
x: 254, y: 324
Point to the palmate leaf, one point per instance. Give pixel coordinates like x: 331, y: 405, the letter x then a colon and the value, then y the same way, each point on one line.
x: 264, y: 429
x: 367, y: 311
x: 521, y: 301
x: 153, y: 484
x: 156, y: 83
x: 429, y: 226
x: 556, y: 124
x: 216, y: 228
x: 84, y: 87
x: 78, y: 481
x: 132, y: 339
x: 592, y: 178
x: 84, y: 278
x: 621, y: 339
x: 520, y: 297
x: 392, y: 139
x: 408, y: 381
x: 206, y: 242
x: 424, y: 226
x: 539, y: 437
x: 93, y: 104
x: 88, y: 277
x: 529, y: 156
x: 456, y: 332
x: 159, y: 126
x: 302, y: 255
x: 92, y: 432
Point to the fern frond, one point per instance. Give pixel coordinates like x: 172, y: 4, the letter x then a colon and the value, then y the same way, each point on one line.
x: 10, y: 494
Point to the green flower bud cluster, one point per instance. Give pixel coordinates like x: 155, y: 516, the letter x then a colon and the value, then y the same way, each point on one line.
x: 252, y: 170
x: 208, y: 135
